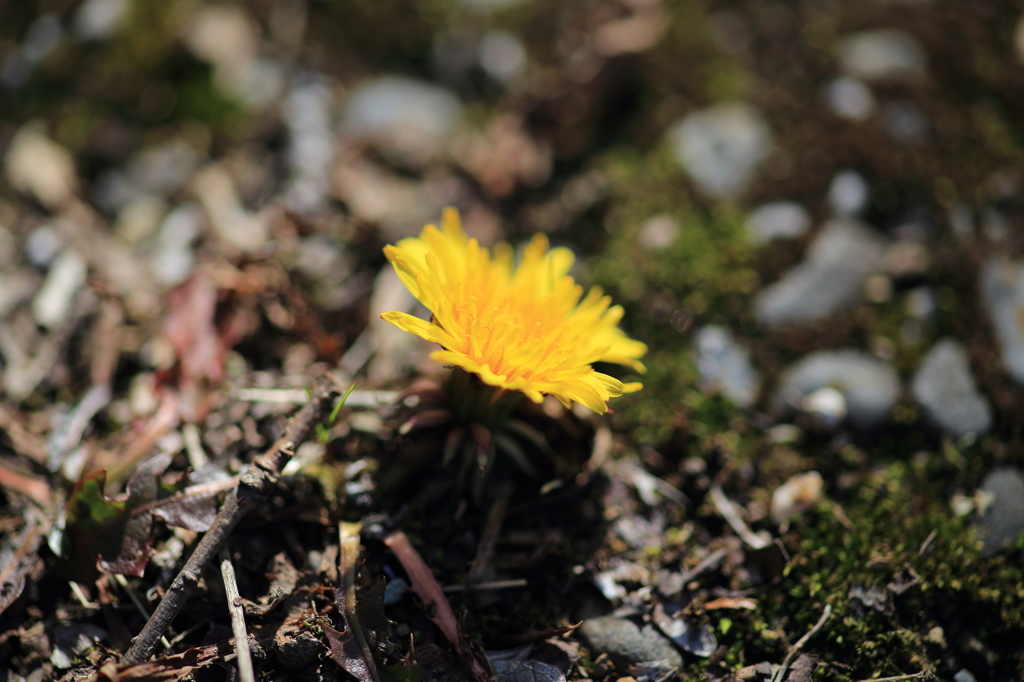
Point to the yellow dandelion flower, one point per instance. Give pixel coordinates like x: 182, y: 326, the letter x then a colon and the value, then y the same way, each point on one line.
x: 524, y: 328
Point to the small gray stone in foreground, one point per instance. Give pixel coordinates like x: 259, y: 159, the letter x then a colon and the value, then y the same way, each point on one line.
x: 945, y: 389
x: 626, y: 643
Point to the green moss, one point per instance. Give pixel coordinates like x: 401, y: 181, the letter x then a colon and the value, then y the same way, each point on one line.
x: 705, y: 276
x: 948, y: 586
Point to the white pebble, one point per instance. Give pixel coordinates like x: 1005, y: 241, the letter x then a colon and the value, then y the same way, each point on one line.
x: 52, y: 304
x: 849, y: 98
x: 848, y: 193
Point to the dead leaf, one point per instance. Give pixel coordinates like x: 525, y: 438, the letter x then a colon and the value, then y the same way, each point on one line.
x: 167, y: 669
x: 347, y: 653
x: 120, y: 532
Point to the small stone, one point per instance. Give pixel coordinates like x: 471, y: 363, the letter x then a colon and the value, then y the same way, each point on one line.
x: 139, y: 219
x: 226, y: 37
x: 921, y: 303
x: 408, y: 119
x: 42, y: 37
x: 658, y: 232
x: 1003, y: 521
x: 869, y: 386
x: 502, y: 55
x: 1002, y: 291
x: 39, y: 166
x: 229, y: 219
x: 827, y: 404
x: 878, y: 288
x: 156, y: 172
x: 52, y: 304
x: 164, y: 169
x: 778, y: 220
x: 626, y: 643
x: 842, y: 256
x: 721, y: 147
x: 946, y: 390
x: 882, y: 54
x: 311, y: 153
x: 181, y: 226
x: 725, y: 366
x: 849, y: 98
x: 98, y: 19
x: 797, y: 495
x: 174, y: 260
x: 42, y: 246
x: 848, y: 193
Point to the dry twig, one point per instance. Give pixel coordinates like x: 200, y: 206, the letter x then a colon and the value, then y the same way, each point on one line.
x: 227, y: 572
x: 727, y: 509
x: 780, y: 674
x: 256, y: 483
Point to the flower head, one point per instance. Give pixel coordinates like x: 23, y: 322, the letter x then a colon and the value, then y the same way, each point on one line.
x: 526, y: 328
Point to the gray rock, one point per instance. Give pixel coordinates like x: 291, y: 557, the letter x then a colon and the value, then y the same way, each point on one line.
x: 158, y: 171
x: 626, y: 643
x: 42, y: 245
x: 847, y: 193
x: 307, y: 114
x: 1003, y: 521
x: 42, y: 37
x: 502, y: 55
x: 37, y: 165
x: 725, y: 366
x: 174, y: 259
x: 945, y: 389
x: 778, y: 220
x: 98, y: 19
x: 721, y: 147
x: 1002, y: 290
x: 849, y: 98
x: 869, y: 386
x: 843, y: 255
x: 922, y: 303
x: 404, y: 117
x: 65, y: 278
x: 882, y: 54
